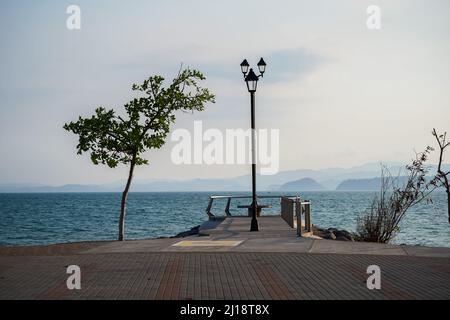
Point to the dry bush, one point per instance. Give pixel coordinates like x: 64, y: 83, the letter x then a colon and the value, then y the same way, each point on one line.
x: 380, y: 223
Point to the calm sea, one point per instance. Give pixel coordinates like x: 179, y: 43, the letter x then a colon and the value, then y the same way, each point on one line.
x: 47, y: 218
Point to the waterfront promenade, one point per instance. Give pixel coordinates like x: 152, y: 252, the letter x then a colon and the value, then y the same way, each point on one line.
x: 226, y: 262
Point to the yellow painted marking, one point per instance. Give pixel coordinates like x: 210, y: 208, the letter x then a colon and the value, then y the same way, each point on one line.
x: 207, y: 243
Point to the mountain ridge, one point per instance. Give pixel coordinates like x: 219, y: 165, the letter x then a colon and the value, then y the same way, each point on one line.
x: 305, y: 184
x: 329, y: 179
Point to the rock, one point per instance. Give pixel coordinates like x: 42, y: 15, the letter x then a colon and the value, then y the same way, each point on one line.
x: 317, y: 229
x: 191, y: 232
x: 342, y: 233
x: 330, y: 236
x: 333, y: 234
x: 348, y: 234
x: 338, y: 233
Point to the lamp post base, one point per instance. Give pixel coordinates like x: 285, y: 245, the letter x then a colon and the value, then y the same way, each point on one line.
x: 254, y: 225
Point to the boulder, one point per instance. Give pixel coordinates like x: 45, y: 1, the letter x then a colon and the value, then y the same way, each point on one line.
x: 342, y: 233
x: 330, y: 235
x: 191, y: 232
x: 347, y: 234
x: 333, y: 234
x: 316, y: 228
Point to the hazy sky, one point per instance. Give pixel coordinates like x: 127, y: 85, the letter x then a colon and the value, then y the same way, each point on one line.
x: 341, y: 94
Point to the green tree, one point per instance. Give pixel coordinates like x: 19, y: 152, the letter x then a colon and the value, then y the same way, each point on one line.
x: 111, y: 139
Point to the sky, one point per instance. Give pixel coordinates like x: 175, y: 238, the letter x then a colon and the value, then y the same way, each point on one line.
x: 339, y: 93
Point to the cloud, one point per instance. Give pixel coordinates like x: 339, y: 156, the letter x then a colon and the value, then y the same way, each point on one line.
x: 292, y: 64
x: 282, y: 65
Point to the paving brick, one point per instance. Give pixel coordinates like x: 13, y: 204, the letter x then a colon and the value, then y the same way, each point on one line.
x: 225, y: 275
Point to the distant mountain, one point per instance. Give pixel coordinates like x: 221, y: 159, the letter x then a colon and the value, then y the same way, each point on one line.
x: 326, y: 179
x: 137, y: 186
x: 305, y: 184
x: 330, y: 184
x: 24, y: 188
x: 190, y: 185
x: 373, y: 184
x: 18, y: 187
x: 330, y: 178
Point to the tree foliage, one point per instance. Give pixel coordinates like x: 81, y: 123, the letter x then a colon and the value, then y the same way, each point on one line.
x: 111, y: 139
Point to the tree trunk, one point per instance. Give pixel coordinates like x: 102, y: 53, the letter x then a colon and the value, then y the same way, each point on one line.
x: 448, y: 205
x: 124, y: 202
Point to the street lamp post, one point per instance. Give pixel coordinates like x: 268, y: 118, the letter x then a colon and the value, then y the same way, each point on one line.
x: 251, y: 80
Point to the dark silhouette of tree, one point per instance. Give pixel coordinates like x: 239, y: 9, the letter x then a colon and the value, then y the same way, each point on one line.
x: 441, y: 176
x: 114, y: 140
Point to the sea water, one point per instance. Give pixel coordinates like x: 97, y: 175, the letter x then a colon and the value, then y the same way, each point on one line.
x: 45, y: 218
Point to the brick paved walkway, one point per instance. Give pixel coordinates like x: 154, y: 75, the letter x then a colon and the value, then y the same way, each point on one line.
x: 225, y: 275
x: 270, y: 264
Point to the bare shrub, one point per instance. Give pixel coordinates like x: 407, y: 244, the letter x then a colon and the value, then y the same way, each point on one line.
x: 442, y: 177
x: 380, y: 223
